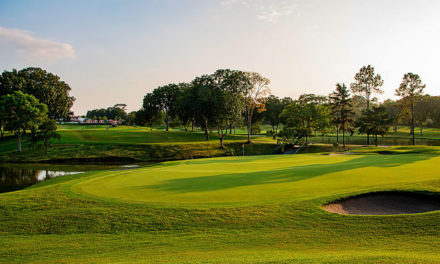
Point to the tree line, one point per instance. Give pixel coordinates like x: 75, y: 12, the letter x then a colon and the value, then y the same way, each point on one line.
x: 31, y: 99
x: 220, y: 101
x: 116, y: 112
x: 227, y: 98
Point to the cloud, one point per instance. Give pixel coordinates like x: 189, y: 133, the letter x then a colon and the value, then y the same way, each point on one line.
x: 266, y: 10
x: 34, y: 49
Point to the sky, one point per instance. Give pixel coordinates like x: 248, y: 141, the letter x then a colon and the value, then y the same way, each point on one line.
x: 114, y: 51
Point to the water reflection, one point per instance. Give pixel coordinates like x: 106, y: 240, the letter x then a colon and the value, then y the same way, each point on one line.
x: 18, y: 176
x: 14, y: 178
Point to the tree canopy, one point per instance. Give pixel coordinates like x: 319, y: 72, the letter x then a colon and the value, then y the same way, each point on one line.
x: 341, y: 108
x: 22, y: 111
x: 411, y: 89
x: 303, y: 116
x: 48, y: 88
x: 163, y: 99
x: 113, y: 112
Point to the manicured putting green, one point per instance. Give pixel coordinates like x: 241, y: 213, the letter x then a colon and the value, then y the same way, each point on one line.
x: 240, y: 181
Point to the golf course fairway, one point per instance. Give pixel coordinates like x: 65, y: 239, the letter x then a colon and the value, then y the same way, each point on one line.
x: 256, y: 209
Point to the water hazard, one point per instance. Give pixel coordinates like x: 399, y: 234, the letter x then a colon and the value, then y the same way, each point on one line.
x: 18, y: 176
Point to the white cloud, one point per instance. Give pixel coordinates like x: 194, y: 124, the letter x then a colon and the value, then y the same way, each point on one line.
x: 267, y: 10
x: 33, y: 49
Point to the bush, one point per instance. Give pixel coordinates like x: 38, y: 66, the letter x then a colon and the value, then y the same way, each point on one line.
x: 256, y: 128
x: 229, y: 152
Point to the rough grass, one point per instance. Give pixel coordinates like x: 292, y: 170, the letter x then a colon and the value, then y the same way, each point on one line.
x: 225, y: 210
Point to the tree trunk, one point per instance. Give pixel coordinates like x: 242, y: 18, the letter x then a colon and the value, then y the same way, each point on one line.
x: 343, y: 138
x: 192, y: 126
x: 421, y: 128
x: 412, y: 123
x: 276, y: 132
x: 222, y: 135
x: 368, y: 108
x: 166, y: 122
x: 230, y: 129
x: 249, y: 128
x: 19, y: 141
x: 307, y: 144
x: 337, y: 134
x: 206, y: 130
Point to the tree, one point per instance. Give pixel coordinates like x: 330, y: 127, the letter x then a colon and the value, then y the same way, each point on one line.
x: 434, y: 110
x: 112, y: 112
x: 22, y: 111
x: 274, y: 107
x: 254, y: 92
x: 228, y: 102
x: 303, y: 116
x: 131, y: 118
x: 341, y: 109
x: 422, y: 109
x: 149, y: 117
x: 163, y: 98
x: 46, y: 131
x: 203, y: 97
x: 393, y: 111
x: 374, y: 121
x: 45, y: 86
x: 366, y: 84
x: 411, y: 88
x: 186, y: 107
x: 3, y: 118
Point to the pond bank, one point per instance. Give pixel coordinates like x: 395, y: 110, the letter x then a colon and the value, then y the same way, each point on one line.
x: 93, y: 153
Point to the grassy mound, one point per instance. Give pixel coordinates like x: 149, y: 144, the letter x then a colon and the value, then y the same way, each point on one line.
x: 224, y: 210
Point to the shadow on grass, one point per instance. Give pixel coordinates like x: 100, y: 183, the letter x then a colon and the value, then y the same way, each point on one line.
x: 290, y: 174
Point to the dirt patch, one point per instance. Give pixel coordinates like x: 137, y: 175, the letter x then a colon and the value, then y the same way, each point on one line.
x: 385, y: 203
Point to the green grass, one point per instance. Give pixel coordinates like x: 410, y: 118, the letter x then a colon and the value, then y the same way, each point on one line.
x: 430, y: 136
x: 259, y: 209
x: 130, y: 143
x: 126, y: 143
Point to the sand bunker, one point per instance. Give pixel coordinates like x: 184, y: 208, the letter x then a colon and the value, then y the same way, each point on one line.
x: 385, y: 203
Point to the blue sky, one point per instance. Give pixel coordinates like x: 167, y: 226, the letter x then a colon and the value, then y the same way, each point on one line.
x: 116, y: 51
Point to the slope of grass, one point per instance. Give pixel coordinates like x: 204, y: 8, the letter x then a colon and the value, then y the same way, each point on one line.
x: 125, y: 143
x: 225, y: 210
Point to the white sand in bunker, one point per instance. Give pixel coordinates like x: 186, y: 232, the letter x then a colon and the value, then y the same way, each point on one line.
x: 385, y: 203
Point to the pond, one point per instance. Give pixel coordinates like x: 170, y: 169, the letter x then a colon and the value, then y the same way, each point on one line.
x: 18, y: 176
